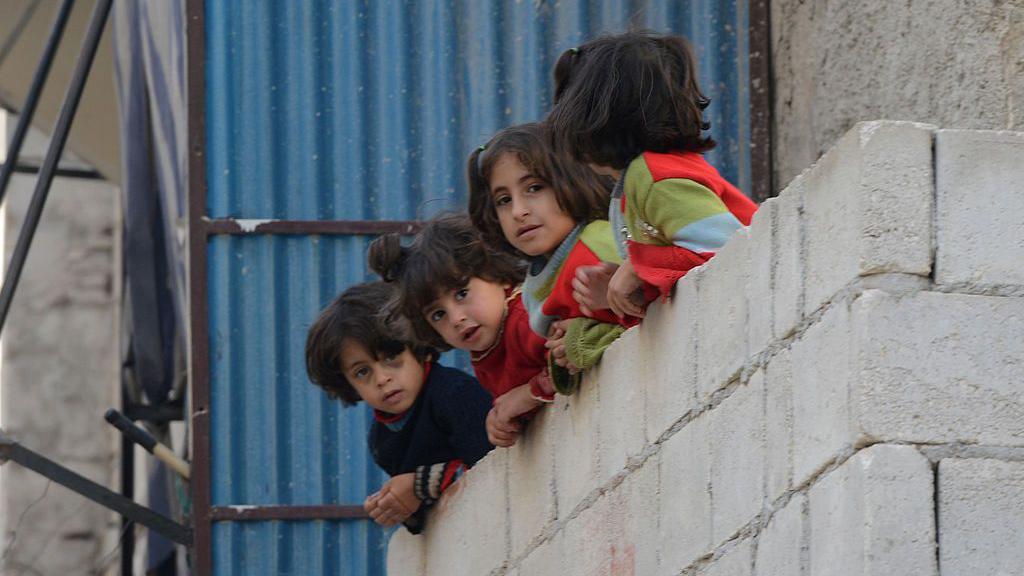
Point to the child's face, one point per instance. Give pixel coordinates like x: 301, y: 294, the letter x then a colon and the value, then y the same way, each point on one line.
x: 469, y: 318
x: 389, y: 384
x: 530, y: 217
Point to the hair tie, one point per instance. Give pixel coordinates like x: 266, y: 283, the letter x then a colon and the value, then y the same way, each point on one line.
x: 479, y: 158
x: 575, y: 50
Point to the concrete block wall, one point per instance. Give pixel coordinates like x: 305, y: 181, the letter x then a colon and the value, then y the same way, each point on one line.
x: 838, y: 392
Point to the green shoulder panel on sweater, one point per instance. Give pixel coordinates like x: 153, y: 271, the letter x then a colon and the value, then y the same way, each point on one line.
x: 599, y: 238
x: 670, y: 205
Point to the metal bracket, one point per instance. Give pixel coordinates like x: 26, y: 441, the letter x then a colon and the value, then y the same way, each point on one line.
x: 12, y: 450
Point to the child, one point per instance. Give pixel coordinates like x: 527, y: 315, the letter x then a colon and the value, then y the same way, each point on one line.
x: 528, y: 201
x: 429, y: 419
x: 629, y: 105
x: 457, y: 292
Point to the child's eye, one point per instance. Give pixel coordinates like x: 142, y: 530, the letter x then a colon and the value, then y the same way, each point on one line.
x: 461, y: 294
x: 502, y: 200
x: 361, y: 373
x: 537, y: 187
x: 393, y: 360
x: 435, y: 316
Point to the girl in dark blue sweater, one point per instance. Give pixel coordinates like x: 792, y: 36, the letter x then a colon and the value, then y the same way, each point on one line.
x: 429, y: 419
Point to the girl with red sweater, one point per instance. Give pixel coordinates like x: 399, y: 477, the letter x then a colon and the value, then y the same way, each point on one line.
x: 454, y: 291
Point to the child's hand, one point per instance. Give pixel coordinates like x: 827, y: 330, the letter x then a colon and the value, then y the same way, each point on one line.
x: 394, y: 502
x: 590, y: 287
x: 515, y: 403
x: 556, y: 344
x: 501, y: 433
x: 625, y: 292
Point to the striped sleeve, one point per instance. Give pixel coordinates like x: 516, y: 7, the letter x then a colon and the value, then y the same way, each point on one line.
x: 686, y: 214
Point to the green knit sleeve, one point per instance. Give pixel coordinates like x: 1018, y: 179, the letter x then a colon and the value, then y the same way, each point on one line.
x: 586, y: 340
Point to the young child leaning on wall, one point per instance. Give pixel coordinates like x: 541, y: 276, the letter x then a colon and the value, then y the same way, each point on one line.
x: 428, y: 419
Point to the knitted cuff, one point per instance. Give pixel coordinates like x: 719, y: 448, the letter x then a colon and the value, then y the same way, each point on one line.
x: 540, y: 385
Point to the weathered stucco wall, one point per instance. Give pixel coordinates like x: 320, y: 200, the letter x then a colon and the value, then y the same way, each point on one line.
x: 59, y: 375
x: 951, y: 63
x: 838, y: 392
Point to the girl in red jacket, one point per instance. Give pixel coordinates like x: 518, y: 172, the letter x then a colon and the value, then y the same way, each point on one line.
x: 529, y: 201
x: 630, y: 106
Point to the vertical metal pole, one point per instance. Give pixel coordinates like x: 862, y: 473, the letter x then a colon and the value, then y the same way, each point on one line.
x: 60, y: 136
x: 128, y: 490
x: 28, y: 111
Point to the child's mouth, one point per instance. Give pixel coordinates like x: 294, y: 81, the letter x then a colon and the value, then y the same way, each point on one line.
x: 526, y: 230
x: 391, y: 397
x: 470, y: 333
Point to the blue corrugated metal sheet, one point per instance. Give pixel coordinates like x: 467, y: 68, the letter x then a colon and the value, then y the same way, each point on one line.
x: 366, y: 110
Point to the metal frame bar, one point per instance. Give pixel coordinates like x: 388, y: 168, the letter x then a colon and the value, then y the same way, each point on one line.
x: 28, y: 111
x: 79, y: 173
x: 11, y: 450
x: 60, y: 135
x: 199, y: 373
x: 324, y: 227
x: 263, y: 513
x: 761, y: 99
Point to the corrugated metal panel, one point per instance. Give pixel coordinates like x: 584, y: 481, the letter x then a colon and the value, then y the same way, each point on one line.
x: 361, y: 111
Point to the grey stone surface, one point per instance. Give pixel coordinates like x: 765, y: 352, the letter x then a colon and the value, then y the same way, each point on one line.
x: 868, y: 208
x: 937, y: 367
x: 778, y: 421
x: 822, y: 368
x: 634, y: 514
x: 407, y: 554
x: 467, y: 531
x: 736, y: 561
x: 621, y: 426
x: 874, y: 516
x: 981, y: 516
x: 952, y: 64
x: 722, y: 322
x: 781, y: 545
x: 788, y: 279
x: 532, y: 495
x: 759, y: 284
x: 576, y: 455
x: 670, y: 384
x: 979, y: 207
x: 685, y: 525
x: 59, y: 374
x: 736, y: 434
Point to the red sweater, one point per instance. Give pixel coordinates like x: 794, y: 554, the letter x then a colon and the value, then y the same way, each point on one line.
x: 519, y: 356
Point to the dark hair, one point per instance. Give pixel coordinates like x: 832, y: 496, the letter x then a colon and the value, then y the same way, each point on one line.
x: 618, y: 96
x: 446, y: 253
x: 354, y: 315
x: 580, y: 192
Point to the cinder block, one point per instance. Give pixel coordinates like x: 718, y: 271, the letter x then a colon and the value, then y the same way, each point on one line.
x: 981, y: 517
x: 685, y: 522
x: 736, y: 561
x: 621, y: 424
x: 874, y: 516
x: 980, y: 227
x: 722, y: 323
x: 668, y: 337
x: 737, y: 459
x: 466, y: 532
x: 822, y: 369
x: 780, y: 544
x: 788, y: 277
x: 407, y: 554
x: 938, y: 367
x: 574, y: 427
x: 531, y: 485
x: 760, y: 268
x: 868, y: 207
x: 635, y: 507
x: 778, y: 418
x: 548, y: 558
x: 586, y: 541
